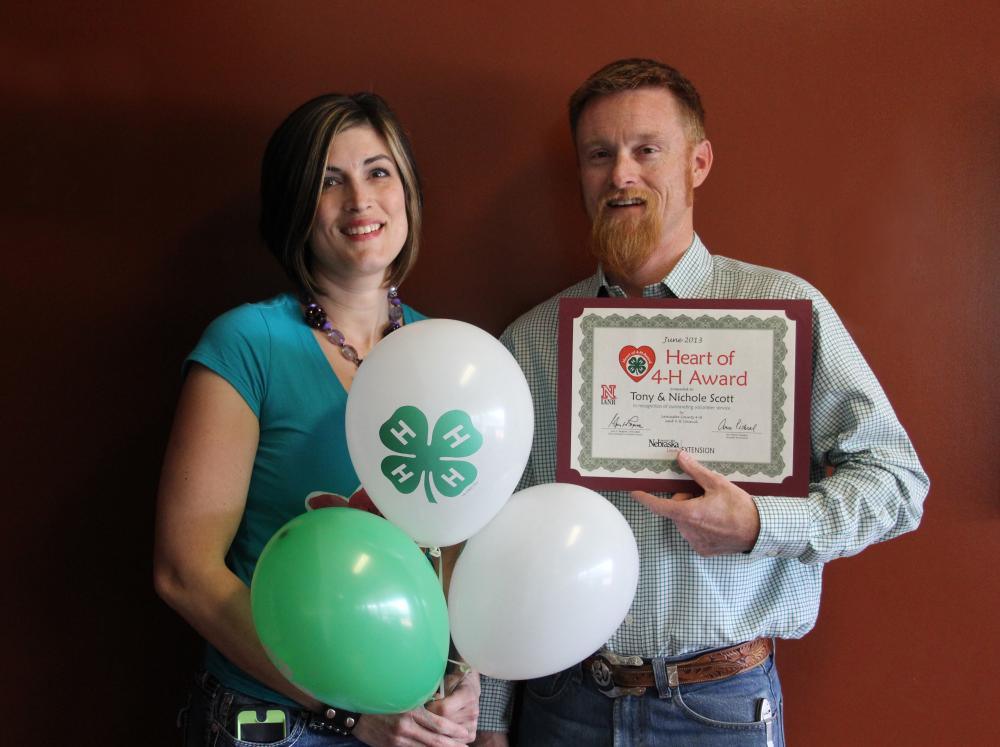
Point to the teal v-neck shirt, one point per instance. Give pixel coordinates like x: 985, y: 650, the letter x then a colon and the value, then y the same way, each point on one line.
x: 271, y: 357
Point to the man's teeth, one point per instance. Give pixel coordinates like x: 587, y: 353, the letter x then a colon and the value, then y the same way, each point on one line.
x: 626, y: 203
x: 359, y: 230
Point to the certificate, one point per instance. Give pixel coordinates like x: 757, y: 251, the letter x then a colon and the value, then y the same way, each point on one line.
x: 728, y: 381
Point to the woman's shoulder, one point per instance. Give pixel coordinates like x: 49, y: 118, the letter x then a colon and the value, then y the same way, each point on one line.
x: 259, y: 317
x: 238, y: 343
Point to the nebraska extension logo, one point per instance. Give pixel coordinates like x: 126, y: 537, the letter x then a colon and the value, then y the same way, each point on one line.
x: 608, y: 394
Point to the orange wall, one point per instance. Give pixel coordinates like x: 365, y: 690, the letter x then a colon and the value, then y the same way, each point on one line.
x: 857, y: 144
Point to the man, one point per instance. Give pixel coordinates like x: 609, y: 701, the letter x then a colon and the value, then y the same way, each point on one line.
x: 725, y: 573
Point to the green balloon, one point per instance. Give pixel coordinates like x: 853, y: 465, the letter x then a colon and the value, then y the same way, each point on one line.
x: 351, y: 612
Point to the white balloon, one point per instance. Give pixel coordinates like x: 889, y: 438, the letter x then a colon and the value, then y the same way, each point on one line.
x: 439, y: 426
x: 545, y: 584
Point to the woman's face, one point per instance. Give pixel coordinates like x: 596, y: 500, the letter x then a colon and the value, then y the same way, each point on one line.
x: 360, y: 224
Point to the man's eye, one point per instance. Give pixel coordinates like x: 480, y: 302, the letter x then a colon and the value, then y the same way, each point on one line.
x: 598, y: 155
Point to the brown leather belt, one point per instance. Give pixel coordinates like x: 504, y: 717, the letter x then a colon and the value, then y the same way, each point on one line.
x: 617, y: 675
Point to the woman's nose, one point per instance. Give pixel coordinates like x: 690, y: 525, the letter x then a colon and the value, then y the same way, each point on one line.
x: 358, y: 197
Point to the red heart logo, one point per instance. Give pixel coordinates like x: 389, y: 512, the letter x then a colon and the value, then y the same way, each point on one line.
x: 636, y: 362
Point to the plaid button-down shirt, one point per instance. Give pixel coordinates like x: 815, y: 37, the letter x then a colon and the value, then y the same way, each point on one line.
x: 685, y: 602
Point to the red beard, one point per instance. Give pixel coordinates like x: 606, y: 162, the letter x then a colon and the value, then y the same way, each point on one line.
x: 623, y: 243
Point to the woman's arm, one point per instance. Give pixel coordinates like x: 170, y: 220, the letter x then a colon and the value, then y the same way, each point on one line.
x: 202, y: 495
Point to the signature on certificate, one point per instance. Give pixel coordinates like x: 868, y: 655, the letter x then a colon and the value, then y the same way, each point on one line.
x: 618, y: 423
x: 738, y: 427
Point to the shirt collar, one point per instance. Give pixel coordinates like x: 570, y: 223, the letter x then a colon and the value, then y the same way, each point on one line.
x: 685, y: 280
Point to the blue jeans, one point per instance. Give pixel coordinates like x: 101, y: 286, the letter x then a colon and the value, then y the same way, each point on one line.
x: 207, y: 720
x: 568, y: 709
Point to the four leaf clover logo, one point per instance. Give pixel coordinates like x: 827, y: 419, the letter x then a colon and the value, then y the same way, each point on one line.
x: 636, y: 365
x: 441, y: 457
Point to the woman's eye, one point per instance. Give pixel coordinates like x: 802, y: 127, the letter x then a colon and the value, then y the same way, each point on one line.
x: 380, y: 172
x: 330, y: 181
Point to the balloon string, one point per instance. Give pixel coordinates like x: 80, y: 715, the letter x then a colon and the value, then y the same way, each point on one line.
x: 462, y: 666
x: 435, y: 552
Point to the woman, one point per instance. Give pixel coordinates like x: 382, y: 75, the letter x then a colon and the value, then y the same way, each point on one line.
x: 259, y: 431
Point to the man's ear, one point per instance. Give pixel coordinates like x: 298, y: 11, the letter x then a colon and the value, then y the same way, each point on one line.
x: 701, y: 162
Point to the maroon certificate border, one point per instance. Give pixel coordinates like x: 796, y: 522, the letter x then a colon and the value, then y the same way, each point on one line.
x: 796, y: 484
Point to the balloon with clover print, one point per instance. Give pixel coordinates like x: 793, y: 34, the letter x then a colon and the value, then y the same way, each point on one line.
x: 439, y: 426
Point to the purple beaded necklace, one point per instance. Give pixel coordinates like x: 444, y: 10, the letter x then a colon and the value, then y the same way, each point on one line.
x: 316, y: 318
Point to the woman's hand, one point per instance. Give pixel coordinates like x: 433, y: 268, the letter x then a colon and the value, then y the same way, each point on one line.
x: 448, y: 722
x: 461, y: 705
x: 415, y: 728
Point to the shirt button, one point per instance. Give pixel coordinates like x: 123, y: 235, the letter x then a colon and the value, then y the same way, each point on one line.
x: 628, y: 619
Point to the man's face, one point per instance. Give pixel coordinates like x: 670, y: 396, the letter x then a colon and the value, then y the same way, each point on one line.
x: 638, y: 172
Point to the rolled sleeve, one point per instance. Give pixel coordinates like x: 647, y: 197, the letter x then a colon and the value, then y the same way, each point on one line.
x: 495, y: 704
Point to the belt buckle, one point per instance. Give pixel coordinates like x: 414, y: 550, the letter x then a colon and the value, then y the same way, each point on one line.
x: 600, y: 670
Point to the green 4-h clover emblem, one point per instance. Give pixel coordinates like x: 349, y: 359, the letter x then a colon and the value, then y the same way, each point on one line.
x: 441, y: 457
x: 637, y: 365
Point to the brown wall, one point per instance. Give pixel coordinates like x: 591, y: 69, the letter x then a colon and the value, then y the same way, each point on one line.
x: 857, y: 144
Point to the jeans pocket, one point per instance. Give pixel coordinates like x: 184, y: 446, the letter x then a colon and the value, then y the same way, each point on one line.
x: 550, y: 687
x: 727, y: 704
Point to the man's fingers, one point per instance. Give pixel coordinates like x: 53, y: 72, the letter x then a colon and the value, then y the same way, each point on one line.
x: 701, y: 474
x: 649, y: 501
x: 661, y: 506
x: 698, y: 472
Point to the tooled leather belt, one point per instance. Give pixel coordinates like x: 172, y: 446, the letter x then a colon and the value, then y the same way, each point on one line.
x: 617, y: 675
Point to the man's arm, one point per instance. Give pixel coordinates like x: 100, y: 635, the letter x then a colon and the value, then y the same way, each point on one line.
x: 877, y: 486
x: 491, y: 739
x: 875, y: 492
x: 495, y: 706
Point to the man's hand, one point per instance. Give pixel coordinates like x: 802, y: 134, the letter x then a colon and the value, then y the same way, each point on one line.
x: 491, y: 739
x: 723, y: 520
x: 416, y: 728
x: 461, y: 705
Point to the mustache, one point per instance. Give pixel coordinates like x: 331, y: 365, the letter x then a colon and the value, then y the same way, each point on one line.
x: 627, y: 194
